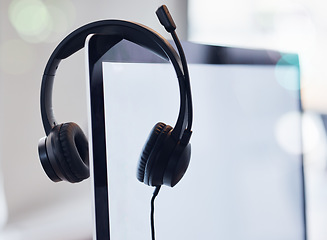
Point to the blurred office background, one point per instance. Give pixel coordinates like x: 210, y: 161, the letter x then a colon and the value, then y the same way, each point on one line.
x: 31, y: 29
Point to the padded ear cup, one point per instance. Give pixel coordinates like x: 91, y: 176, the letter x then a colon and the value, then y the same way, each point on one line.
x: 156, y: 154
x: 164, y: 160
x: 64, y: 153
x: 45, y: 161
x: 147, y: 149
x: 170, y: 161
x: 158, y: 158
x: 75, y: 150
x: 177, y: 165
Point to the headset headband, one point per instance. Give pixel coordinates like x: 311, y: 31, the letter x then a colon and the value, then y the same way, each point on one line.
x: 64, y: 151
x: 120, y: 30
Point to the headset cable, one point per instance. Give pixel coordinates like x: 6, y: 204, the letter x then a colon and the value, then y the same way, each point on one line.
x: 155, y: 193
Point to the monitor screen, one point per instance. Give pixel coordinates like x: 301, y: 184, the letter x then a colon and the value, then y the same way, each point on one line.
x: 245, y: 178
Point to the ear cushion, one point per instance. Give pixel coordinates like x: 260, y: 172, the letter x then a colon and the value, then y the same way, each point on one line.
x: 177, y: 165
x: 45, y: 161
x: 74, y: 148
x: 147, y: 149
x: 157, y: 158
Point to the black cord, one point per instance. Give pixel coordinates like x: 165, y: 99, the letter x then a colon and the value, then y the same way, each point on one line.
x: 155, y: 193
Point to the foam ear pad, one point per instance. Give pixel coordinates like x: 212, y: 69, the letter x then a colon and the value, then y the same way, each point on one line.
x: 64, y: 153
x: 164, y: 160
x: 158, y: 158
x: 74, y: 147
x: 147, y: 149
x: 177, y: 165
x: 45, y: 161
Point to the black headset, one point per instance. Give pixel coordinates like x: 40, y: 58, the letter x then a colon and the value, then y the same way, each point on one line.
x: 166, y: 155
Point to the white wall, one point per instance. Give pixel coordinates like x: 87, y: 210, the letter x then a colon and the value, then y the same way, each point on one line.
x: 23, y: 56
x: 286, y: 25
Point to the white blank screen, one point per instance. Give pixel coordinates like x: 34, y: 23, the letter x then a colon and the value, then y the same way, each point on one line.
x: 244, y: 180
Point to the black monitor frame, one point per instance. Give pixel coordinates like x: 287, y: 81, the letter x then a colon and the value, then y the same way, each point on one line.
x: 98, y: 46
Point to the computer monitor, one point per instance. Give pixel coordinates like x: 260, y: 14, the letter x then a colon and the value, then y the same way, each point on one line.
x: 245, y: 179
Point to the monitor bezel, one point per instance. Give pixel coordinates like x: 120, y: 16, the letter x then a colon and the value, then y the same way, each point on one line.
x: 97, y: 49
